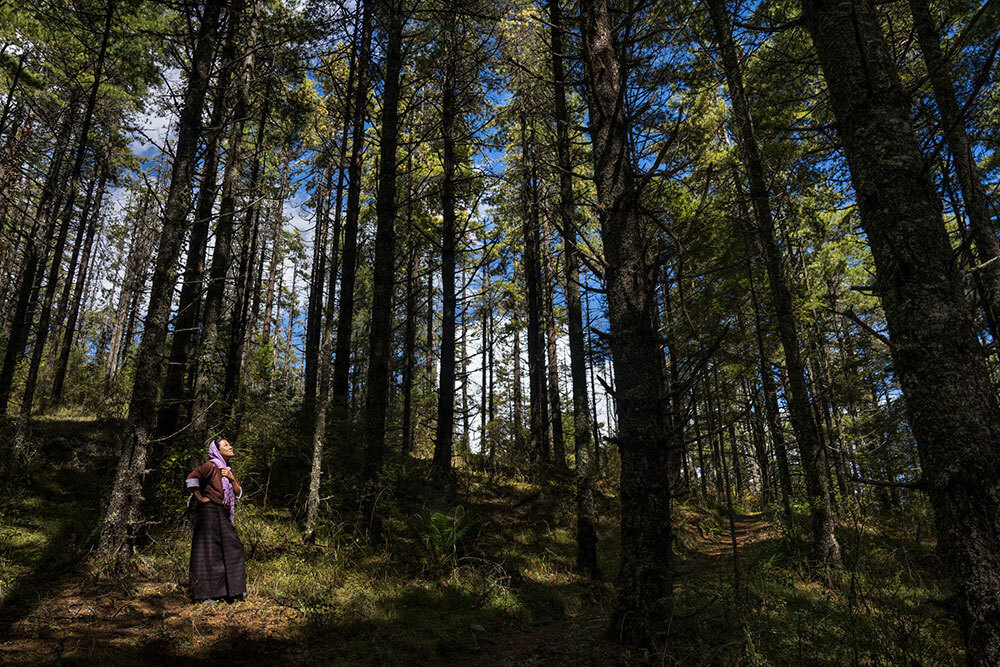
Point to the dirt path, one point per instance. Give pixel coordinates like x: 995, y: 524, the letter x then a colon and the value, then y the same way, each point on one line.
x: 749, y: 529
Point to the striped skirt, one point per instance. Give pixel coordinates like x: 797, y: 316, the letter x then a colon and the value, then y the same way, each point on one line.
x: 217, y: 567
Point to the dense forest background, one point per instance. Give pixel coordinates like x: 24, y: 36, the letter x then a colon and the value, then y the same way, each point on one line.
x: 602, y: 331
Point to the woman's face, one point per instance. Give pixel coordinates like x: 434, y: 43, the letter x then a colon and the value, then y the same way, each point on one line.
x: 225, y: 449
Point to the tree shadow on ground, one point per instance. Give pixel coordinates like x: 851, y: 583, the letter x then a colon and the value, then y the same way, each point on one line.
x: 439, y: 623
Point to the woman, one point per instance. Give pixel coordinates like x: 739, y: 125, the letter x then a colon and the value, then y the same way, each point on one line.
x: 217, y: 568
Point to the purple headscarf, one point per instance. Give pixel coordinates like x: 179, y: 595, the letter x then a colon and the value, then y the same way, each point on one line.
x: 215, y: 456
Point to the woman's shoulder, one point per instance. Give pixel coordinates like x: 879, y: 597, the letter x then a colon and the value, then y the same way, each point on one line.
x: 205, y: 468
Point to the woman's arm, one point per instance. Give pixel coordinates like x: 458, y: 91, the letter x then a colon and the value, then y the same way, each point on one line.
x: 193, y: 482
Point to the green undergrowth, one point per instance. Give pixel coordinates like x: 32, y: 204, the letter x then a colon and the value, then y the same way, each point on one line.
x: 889, y: 605
x: 484, y: 576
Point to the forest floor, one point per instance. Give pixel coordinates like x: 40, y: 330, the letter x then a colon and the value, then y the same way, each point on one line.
x: 487, y: 580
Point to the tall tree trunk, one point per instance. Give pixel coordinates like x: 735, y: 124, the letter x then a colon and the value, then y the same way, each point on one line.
x: 273, y: 260
x: 120, y: 523
x: 314, y: 308
x: 67, y: 285
x: 537, y: 395
x: 518, y: 390
x: 248, y: 278
x: 345, y: 313
x: 555, y: 400
x: 409, y: 335
x: 645, y: 579
x: 485, y: 307
x: 952, y: 405
x: 443, y: 439
x: 132, y: 283
x: 464, y: 441
x: 771, y: 412
x: 325, y: 351
x: 429, y: 366
x: 380, y: 337
x: 586, y: 522
x: 702, y: 470
x: 222, y: 254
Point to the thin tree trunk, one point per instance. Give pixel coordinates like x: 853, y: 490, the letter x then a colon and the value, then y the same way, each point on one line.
x: 273, y: 261
x: 518, y: 408
x: 586, y: 523
x: 410, y: 333
x: 537, y: 394
x: 314, y: 308
x: 248, y: 279
x: 548, y: 312
x: 345, y: 313
x: 67, y: 285
x: 325, y: 350
x: 74, y: 308
x: 443, y: 439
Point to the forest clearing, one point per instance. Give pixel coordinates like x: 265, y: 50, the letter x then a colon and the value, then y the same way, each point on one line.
x: 481, y: 332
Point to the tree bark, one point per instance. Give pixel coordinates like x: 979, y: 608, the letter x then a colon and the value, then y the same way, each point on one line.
x: 645, y: 580
x: 951, y: 403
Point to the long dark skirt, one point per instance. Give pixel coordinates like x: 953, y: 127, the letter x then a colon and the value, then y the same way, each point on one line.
x: 217, y: 567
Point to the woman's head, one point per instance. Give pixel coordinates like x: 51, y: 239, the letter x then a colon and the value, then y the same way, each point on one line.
x: 220, y: 450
